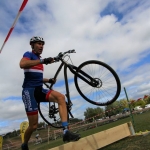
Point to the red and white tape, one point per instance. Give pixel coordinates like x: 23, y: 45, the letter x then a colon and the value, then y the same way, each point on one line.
x: 14, y: 23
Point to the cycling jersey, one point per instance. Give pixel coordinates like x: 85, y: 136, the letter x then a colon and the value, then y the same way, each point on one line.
x: 33, y: 91
x: 33, y: 75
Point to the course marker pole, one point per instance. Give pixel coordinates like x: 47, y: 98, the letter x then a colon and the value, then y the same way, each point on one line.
x: 14, y: 23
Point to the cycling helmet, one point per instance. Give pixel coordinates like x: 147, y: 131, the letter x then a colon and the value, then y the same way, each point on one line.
x: 36, y: 39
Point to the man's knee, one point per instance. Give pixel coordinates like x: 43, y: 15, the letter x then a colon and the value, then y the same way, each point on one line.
x: 57, y: 97
x: 33, y: 127
x: 61, y: 98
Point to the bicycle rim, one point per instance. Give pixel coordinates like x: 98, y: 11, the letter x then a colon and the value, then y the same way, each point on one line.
x: 108, y: 89
x: 44, y: 111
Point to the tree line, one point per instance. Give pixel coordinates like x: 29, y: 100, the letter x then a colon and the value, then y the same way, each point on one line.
x: 116, y: 107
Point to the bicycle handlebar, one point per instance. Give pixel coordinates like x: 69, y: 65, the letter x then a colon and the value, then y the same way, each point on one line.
x: 60, y: 55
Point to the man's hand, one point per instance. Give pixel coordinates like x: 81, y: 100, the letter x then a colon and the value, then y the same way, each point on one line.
x: 52, y: 80
x: 48, y: 60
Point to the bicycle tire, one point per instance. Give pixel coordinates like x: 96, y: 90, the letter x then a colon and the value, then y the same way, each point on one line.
x: 105, y: 93
x: 43, y: 108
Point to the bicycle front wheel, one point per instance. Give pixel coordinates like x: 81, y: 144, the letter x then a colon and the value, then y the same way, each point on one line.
x: 108, y: 85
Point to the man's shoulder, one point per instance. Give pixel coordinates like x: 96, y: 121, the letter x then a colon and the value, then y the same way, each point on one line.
x: 30, y: 55
x: 27, y: 54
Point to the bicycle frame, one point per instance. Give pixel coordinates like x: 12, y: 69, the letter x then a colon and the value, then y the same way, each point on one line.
x: 89, y: 79
x: 75, y: 71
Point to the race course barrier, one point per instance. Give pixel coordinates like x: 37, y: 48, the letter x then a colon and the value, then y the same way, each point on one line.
x: 100, y: 139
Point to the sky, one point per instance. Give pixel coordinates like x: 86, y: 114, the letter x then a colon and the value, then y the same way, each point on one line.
x: 112, y: 31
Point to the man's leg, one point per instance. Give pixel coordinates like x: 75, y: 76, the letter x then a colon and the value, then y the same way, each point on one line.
x: 33, y: 122
x: 57, y: 97
x: 60, y: 99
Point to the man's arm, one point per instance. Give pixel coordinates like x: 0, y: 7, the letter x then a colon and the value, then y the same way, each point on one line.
x: 45, y: 80
x: 25, y: 63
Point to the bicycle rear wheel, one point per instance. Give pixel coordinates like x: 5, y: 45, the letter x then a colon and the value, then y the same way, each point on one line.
x: 49, y: 114
x: 108, y: 89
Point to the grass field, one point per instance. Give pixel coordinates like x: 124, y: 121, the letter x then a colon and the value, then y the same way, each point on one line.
x: 141, y: 124
x: 131, y: 143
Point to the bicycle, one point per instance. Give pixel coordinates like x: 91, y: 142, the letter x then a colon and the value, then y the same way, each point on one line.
x: 94, y: 80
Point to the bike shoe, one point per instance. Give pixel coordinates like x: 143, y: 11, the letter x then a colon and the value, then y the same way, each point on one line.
x: 69, y: 136
x: 24, y: 147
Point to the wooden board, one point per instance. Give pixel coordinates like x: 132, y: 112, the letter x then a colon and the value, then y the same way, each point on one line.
x: 98, y: 140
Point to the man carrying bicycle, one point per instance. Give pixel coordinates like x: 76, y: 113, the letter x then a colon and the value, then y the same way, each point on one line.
x: 33, y: 92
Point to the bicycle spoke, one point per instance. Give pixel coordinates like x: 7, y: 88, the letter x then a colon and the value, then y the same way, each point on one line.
x: 107, y: 88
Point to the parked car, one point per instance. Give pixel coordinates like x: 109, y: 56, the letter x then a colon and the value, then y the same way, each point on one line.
x: 147, y: 106
x: 138, y: 108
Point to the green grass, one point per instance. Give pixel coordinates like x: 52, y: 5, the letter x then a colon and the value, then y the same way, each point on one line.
x: 141, y: 123
x: 130, y: 143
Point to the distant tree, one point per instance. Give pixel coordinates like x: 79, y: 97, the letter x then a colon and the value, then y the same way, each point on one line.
x: 75, y: 120
x: 100, y: 112
x: 124, y: 103
x: 18, y: 131
x: 92, y: 112
x: 114, y: 108
x: 15, y: 133
x: 140, y: 102
x: 132, y: 104
x: 146, y: 99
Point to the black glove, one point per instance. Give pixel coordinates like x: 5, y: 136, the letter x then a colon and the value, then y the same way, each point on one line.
x: 52, y: 80
x: 48, y: 60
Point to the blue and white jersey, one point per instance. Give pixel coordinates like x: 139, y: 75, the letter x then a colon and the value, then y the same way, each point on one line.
x: 33, y: 75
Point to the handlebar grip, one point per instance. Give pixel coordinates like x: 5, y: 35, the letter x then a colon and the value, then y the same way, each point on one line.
x: 72, y: 51
x: 56, y: 58
x: 60, y: 55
